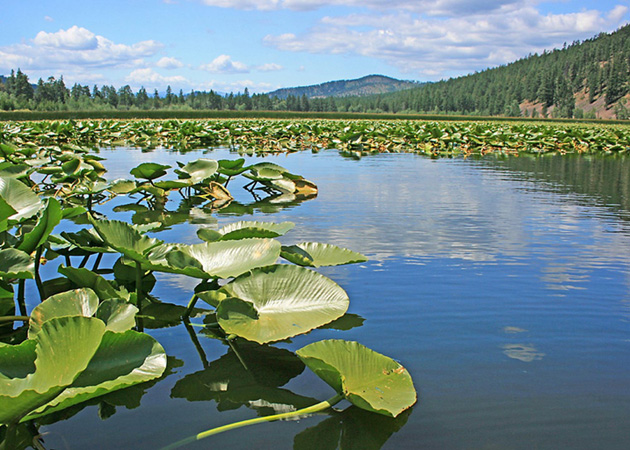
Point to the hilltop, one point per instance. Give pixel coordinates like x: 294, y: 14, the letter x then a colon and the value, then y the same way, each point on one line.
x: 368, y: 85
x: 583, y: 79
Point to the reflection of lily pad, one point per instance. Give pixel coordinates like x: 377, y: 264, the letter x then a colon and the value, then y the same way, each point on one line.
x: 227, y: 382
x: 522, y: 352
x: 353, y: 428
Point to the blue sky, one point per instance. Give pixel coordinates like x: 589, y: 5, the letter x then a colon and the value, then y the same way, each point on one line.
x: 227, y: 45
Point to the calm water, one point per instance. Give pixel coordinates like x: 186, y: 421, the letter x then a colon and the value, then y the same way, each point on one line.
x: 503, y: 286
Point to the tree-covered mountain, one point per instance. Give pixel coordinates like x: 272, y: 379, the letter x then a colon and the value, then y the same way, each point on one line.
x: 590, y: 78
x: 368, y: 85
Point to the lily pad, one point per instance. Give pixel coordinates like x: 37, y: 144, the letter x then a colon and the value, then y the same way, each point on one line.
x: 19, y: 197
x: 367, y: 379
x: 217, y: 259
x: 277, y: 302
x: 15, y: 263
x: 245, y: 229
x: 149, y: 171
x: 316, y: 254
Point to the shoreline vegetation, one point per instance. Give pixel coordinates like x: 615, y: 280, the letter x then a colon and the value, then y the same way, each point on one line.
x: 28, y: 115
x: 351, y: 137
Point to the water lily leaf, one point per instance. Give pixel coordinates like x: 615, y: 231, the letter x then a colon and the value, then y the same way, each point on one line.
x: 208, y: 234
x: 316, y: 254
x: 6, y: 210
x: 222, y: 259
x: 198, y: 170
x: 15, y: 263
x: 124, y: 238
x: 263, y: 174
x: 149, y: 171
x: 277, y: 302
x: 367, y: 379
x: 50, y: 216
x: 85, y: 278
x: 17, y: 195
x: 10, y: 170
x: 172, y: 184
x: 87, y: 240
x: 218, y: 191
x: 122, y: 360
x: 122, y: 186
x: 118, y: 315
x: 245, y: 229
x: 62, y: 349
x: 80, y: 302
x: 231, y: 168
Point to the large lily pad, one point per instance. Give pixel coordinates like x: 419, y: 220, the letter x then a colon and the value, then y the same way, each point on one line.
x: 367, y: 379
x: 218, y: 259
x: 39, y: 369
x: 277, y: 302
x: 316, y: 254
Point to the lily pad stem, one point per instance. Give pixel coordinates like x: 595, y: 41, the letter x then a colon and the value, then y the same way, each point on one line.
x: 38, y: 278
x: 14, y: 319
x: 20, y: 298
x: 300, y: 412
x: 139, y: 294
x: 190, y: 307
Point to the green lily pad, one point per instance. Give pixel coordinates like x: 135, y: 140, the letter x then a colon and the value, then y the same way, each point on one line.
x: 124, y: 238
x: 217, y: 259
x: 198, y: 170
x: 15, y: 263
x: 149, y: 171
x: 316, y: 254
x: 367, y: 379
x: 245, y: 229
x: 19, y: 197
x: 50, y: 216
x: 277, y: 302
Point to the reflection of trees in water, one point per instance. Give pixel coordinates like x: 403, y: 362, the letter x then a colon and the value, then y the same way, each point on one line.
x: 604, y: 180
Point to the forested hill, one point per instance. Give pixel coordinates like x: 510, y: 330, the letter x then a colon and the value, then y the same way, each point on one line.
x: 583, y: 79
x: 371, y: 84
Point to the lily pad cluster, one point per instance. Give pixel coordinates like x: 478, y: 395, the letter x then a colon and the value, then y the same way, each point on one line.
x: 85, y: 339
x: 353, y: 138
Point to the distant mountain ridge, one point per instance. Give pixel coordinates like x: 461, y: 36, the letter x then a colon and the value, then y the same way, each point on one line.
x: 368, y: 85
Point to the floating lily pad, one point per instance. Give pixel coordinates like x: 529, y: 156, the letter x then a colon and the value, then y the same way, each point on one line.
x: 277, y: 302
x: 316, y: 254
x: 367, y: 379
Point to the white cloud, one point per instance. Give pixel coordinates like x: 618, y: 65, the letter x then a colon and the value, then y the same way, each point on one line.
x: 431, y: 7
x: 74, y: 38
x: 270, y: 67
x: 224, y: 64
x: 441, y: 47
x: 48, y: 19
x: 149, y: 76
x: 74, y: 48
x: 169, y: 63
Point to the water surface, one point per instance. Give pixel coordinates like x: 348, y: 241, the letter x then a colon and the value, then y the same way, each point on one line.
x: 502, y: 285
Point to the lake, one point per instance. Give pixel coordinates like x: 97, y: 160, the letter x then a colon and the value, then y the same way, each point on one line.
x: 501, y: 284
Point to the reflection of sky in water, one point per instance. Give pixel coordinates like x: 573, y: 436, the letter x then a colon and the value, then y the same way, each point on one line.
x: 473, y: 270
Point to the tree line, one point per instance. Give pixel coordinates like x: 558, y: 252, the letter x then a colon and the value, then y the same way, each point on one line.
x: 598, y: 68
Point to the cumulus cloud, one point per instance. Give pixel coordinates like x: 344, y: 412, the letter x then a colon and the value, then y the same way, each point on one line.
x: 441, y: 47
x: 225, y: 64
x: 74, y: 48
x: 169, y: 63
x: 144, y: 77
